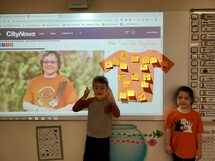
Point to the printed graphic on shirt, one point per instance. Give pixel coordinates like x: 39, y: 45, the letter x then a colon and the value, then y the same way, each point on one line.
x: 49, y: 96
x: 46, y: 95
x: 136, y: 73
x: 183, y: 125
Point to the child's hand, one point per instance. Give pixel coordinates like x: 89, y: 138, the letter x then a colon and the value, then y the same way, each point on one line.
x: 169, y: 149
x: 86, y: 93
x: 198, y: 154
x: 110, y: 95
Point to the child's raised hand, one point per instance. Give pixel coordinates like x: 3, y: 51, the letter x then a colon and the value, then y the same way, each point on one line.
x: 86, y: 93
x: 110, y: 95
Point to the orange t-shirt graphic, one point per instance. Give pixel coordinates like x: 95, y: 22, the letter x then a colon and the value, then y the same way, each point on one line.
x: 42, y: 92
x: 184, y: 130
x: 136, y: 73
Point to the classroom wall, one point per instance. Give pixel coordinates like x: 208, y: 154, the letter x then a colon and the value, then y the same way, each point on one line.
x: 49, y: 6
x: 18, y: 138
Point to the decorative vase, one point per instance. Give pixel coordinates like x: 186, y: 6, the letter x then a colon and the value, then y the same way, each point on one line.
x: 127, y: 143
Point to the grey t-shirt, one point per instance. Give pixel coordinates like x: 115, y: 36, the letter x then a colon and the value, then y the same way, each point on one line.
x: 99, y: 123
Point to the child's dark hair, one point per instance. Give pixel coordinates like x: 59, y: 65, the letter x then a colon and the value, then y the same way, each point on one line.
x: 186, y: 89
x: 100, y: 79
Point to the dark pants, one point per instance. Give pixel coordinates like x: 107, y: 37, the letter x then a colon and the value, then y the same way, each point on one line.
x: 176, y: 158
x: 97, y: 149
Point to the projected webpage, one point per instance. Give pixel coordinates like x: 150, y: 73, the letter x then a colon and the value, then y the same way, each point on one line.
x: 125, y: 47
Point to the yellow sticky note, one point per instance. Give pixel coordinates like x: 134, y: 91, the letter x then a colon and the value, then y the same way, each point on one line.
x: 153, y: 60
x: 144, y: 67
x: 141, y: 97
x: 131, y: 93
x: 164, y: 64
x: 108, y: 64
x: 124, y: 55
x: 123, y: 66
x: 121, y: 77
x: 144, y: 84
x: 127, y: 84
x: 135, y: 77
x: 116, y: 62
x: 123, y: 95
x: 135, y: 59
x: 146, y: 77
x: 145, y: 60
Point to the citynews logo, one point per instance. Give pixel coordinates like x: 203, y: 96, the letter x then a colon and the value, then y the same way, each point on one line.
x: 6, y: 44
x: 20, y: 34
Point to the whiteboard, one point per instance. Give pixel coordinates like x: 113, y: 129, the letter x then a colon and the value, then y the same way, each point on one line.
x: 175, y: 47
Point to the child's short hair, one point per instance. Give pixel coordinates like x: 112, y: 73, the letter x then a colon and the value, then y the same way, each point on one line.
x: 100, y: 79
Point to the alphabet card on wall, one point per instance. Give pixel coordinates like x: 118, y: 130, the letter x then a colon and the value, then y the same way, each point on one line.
x: 49, y: 143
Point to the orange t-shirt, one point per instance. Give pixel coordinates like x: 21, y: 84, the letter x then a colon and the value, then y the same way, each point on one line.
x: 136, y: 72
x: 41, y: 92
x: 184, y: 130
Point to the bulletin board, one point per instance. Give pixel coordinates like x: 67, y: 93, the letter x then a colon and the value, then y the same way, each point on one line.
x: 202, y: 61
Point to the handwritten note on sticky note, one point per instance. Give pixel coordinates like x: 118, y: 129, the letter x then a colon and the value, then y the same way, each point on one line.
x: 153, y: 60
x: 123, y: 66
x: 141, y: 97
x: 135, y: 59
x: 127, y: 84
x: 145, y: 60
x: 123, y: 95
x: 146, y: 76
x: 144, y: 67
x: 144, y: 84
x: 124, y: 55
x: 135, y: 77
x: 131, y: 93
x: 116, y: 62
x: 121, y: 77
x: 108, y: 64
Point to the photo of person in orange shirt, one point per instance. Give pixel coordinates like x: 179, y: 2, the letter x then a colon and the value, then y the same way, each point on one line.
x: 50, y: 91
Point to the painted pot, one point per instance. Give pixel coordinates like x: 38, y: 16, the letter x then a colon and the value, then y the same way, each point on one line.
x: 127, y: 143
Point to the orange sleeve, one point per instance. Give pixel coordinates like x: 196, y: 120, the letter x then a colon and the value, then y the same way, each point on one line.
x: 114, y: 109
x: 168, y: 122
x: 82, y: 104
x: 28, y: 96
